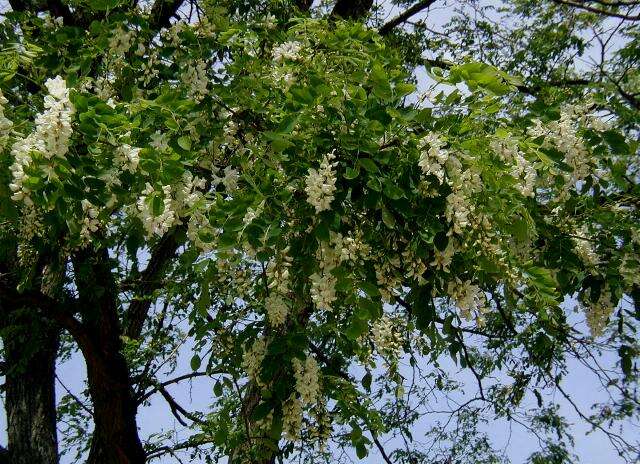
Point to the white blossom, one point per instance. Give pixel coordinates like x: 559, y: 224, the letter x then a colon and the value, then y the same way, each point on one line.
x: 252, y: 358
x: 287, y: 51
x: 323, y: 292
x: 385, y: 337
x: 159, y: 141
x: 469, y: 298
x: 277, y: 309
x: 128, y: 157
x: 321, y: 184
x: 230, y: 179
x: 196, y: 80
x: 433, y: 157
x: 5, y: 124
x: 292, y: 418
x: 598, y: 313
x: 50, y: 138
x: 156, y: 225
x: 307, y: 379
x: 120, y: 41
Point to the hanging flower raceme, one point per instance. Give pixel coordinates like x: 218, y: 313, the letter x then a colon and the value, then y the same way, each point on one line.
x: 50, y: 139
x: 321, y: 184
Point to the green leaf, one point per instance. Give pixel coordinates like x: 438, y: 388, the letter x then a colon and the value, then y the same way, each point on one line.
x: 221, y: 435
x: 368, y: 164
x: 392, y: 191
x: 184, y: 142
x: 196, y: 362
x: 351, y: 173
x: 157, y: 205
x: 388, y: 218
x: 356, y: 328
x: 361, y: 450
x: 366, y: 381
x: 217, y: 389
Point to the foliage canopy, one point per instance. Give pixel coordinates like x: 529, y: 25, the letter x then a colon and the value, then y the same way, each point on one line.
x: 334, y: 210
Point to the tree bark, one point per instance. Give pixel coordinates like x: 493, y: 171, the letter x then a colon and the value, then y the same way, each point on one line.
x: 115, y: 438
x: 30, y: 355
x: 351, y: 9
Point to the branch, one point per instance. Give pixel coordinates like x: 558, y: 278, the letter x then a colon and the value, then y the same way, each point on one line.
x: 351, y: 9
x: 150, y: 280
x: 380, y: 447
x: 403, y: 17
x: 527, y: 89
x: 304, y: 5
x: 162, y: 12
x: 176, y: 409
x: 157, y: 388
x: 56, y: 7
x: 582, y: 6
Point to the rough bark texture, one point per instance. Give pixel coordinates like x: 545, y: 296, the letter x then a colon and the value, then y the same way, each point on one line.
x: 115, y: 438
x: 30, y: 355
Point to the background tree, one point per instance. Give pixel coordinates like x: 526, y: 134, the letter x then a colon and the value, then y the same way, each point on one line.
x: 268, y: 177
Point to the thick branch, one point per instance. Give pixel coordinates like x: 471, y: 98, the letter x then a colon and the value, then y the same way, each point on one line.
x: 351, y: 9
x: 583, y: 6
x: 55, y: 7
x: 405, y: 16
x: 162, y: 12
x: 150, y: 280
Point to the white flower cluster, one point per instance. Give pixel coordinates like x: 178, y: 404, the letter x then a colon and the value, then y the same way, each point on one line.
x: 522, y: 170
x: 414, y: 266
x: 584, y: 247
x: 90, y: 223
x: 188, y: 193
x: 442, y: 259
x: 229, y: 180
x: 598, y: 313
x: 159, y: 141
x: 253, y: 213
x: 5, y: 124
x: 292, y: 418
x: 323, y: 290
x: 120, y: 41
x: 196, y: 80
x: 161, y: 223
x: 50, y: 138
x: 323, y: 283
x: 278, y: 273
x: 277, y: 309
x: 433, y: 157
x: 321, y: 184
x: 458, y: 210
x: 350, y: 248
x: 386, y: 338
x: 128, y: 157
x: 388, y: 277
x: 563, y: 136
x: 287, y: 51
x: 307, y: 379
x: 252, y: 359
x: 468, y: 298
x: 630, y: 269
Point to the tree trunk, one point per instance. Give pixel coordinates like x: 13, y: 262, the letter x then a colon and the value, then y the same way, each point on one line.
x: 115, y: 437
x: 30, y: 354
